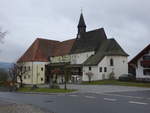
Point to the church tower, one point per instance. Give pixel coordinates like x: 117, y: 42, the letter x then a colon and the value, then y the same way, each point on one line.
x: 81, y: 25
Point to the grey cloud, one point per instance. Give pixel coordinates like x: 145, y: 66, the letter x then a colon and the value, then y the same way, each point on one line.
x: 125, y: 20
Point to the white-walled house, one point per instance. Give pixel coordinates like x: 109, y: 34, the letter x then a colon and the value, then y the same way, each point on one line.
x: 41, y: 53
x: 35, y: 59
x: 141, y: 64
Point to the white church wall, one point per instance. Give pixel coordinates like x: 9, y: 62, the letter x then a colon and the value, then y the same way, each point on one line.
x: 80, y: 57
x: 103, y: 69
x: 103, y: 74
x: 58, y: 59
x: 93, y: 70
x: 120, y: 65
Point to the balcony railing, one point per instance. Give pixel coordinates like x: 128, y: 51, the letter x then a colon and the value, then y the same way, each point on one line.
x: 145, y: 63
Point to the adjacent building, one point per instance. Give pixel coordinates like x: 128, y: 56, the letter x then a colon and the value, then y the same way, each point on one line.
x: 90, y: 52
x: 140, y: 65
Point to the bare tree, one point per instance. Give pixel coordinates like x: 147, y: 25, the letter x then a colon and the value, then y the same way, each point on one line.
x: 67, y: 75
x: 56, y: 72
x: 18, y: 71
x: 54, y: 75
x: 89, y: 74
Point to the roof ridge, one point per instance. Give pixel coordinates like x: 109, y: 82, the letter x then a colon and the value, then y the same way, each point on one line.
x: 46, y: 39
x: 111, y: 38
x: 68, y: 40
x: 95, y: 30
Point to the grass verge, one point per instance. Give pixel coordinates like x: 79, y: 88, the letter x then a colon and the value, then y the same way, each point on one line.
x: 116, y: 82
x: 45, y: 90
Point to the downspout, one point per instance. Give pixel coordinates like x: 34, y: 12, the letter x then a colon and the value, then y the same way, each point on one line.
x: 37, y: 74
x: 32, y: 72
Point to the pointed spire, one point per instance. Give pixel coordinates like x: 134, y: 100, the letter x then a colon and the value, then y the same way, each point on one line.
x: 81, y: 21
x: 81, y: 25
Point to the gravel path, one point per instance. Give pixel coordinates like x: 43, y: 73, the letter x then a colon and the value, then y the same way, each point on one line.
x: 8, y: 107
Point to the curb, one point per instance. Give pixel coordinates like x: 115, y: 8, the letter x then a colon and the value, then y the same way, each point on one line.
x: 43, y: 93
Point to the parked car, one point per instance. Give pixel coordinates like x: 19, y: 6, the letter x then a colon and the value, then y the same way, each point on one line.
x: 127, y: 77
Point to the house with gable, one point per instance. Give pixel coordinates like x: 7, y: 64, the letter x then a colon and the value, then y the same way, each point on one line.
x: 90, y: 52
x: 33, y: 61
x: 140, y: 65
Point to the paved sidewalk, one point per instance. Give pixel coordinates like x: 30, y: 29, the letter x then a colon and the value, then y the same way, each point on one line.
x: 100, y: 88
x: 8, y: 107
x: 103, y: 88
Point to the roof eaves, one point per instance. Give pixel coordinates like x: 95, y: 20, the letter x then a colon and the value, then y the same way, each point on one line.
x: 134, y: 60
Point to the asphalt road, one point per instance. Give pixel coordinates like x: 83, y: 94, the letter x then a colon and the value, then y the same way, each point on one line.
x: 123, y: 102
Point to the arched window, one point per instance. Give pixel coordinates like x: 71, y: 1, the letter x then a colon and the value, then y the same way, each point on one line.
x: 100, y: 69
x: 90, y: 68
x: 105, y: 69
x: 111, y: 62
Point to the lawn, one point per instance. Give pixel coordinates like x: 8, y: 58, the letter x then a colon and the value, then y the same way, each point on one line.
x: 45, y: 90
x: 116, y: 82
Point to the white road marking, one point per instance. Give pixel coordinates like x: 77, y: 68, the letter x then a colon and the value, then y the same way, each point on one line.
x: 110, y: 99
x: 90, y: 97
x: 73, y: 95
x: 133, y: 102
x: 61, y: 95
x: 122, y: 96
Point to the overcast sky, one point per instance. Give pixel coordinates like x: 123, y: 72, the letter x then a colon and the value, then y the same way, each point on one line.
x: 128, y: 21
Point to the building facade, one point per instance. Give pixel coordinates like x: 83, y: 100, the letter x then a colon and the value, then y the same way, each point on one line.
x: 90, y: 52
x: 141, y: 64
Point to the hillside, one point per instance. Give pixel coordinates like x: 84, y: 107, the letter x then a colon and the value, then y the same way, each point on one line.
x: 5, y: 65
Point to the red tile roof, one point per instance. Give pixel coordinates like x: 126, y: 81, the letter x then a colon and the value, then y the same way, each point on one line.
x: 63, y: 48
x: 42, y: 49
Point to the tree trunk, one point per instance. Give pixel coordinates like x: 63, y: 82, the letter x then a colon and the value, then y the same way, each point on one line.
x: 21, y: 81
x: 65, y: 75
x: 89, y: 79
x: 50, y: 82
x: 65, y: 85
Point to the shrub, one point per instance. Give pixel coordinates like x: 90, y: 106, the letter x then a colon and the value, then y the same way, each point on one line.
x: 3, y: 75
x: 112, y: 76
x: 89, y: 74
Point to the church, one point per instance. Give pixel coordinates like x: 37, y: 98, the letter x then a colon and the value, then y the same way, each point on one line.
x: 90, y: 55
